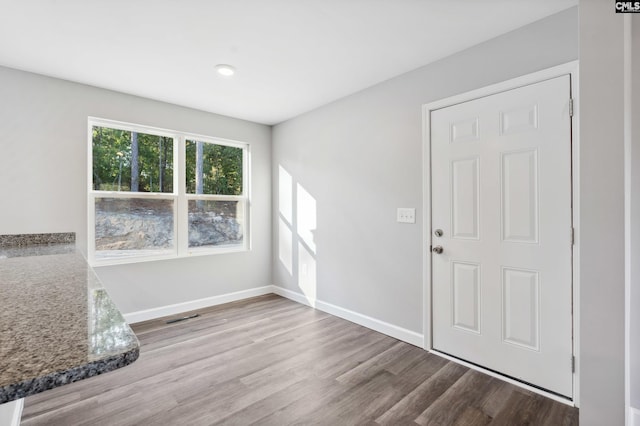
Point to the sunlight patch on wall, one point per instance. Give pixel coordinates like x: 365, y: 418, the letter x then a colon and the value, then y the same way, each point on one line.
x: 285, y: 221
x: 307, y: 273
x: 306, y: 211
x: 285, y: 195
x: 285, y: 246
x: 297, y: 221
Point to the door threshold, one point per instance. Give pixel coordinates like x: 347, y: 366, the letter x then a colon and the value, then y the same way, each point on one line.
x: 534, y: 389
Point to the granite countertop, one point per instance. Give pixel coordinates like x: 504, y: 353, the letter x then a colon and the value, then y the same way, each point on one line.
x: 57, y: 323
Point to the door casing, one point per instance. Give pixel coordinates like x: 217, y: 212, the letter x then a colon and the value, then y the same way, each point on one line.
x: 570, y: 68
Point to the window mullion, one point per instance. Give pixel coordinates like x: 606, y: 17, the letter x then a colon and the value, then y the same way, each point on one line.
x: 182, y: 213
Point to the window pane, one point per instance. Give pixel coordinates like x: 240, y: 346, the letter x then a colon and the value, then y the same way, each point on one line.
x: 215, y: 223
x: 131, y: 161
x: 213, y: 169
x: 133, y: 227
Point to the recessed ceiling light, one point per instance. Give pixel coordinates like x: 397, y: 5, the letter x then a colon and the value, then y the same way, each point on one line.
x: 225, y: 70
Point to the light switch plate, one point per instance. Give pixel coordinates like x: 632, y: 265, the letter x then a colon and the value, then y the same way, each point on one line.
x: 406, y: 215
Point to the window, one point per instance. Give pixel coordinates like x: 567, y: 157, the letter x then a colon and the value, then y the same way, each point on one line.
x: 158, y: 194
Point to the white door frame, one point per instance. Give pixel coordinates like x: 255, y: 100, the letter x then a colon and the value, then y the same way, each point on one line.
x: 570, y: 68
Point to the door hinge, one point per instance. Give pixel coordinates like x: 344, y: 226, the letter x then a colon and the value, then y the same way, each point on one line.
x: 573, y: 236
x: 570, y: 107
x: 573, y: 364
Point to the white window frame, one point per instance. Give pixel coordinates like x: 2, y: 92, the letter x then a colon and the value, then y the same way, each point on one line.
x: 179, y: 195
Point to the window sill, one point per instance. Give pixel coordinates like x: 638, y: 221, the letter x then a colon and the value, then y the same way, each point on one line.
x: 198, y: 252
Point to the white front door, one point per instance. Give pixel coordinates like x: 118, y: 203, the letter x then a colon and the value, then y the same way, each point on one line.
x: 501, y: 197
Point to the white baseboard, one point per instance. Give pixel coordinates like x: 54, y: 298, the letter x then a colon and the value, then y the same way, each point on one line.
x: 179, y: 308
x: 634, y: 416
x: 399, y: 333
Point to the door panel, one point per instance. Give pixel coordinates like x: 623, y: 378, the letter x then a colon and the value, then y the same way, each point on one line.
x: 501, y: 193
x: 465, y: 281
x: 464, y: 198
x: 519, y: 203
x: 521, y: 308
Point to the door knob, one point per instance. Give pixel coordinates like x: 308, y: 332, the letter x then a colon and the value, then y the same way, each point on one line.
x: 437, y: 250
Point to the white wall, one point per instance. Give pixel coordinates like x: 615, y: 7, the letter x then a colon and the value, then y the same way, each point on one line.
x: 43, y: 140
x: 634, y: 220
x: 360, y: 159
x: 601, y: 239
x: 10, y: 413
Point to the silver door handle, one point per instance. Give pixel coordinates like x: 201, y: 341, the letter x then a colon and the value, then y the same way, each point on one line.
x: 437, y: 250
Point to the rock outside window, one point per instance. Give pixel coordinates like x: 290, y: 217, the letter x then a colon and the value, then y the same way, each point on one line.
x: 156, y: 193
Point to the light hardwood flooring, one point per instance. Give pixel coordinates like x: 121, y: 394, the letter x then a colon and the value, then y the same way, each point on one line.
x: 270, y: 361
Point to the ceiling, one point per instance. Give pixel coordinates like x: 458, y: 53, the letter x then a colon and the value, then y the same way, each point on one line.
x: 291, y: 55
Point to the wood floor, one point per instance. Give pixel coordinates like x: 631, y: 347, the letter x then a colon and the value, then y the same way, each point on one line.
x: 271, y: 361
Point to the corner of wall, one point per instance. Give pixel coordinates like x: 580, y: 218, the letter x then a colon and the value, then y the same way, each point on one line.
x: 394, y: 331
x: 178, y: 308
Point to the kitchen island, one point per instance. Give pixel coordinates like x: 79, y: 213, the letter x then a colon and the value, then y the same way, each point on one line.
x: 57, y: 323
